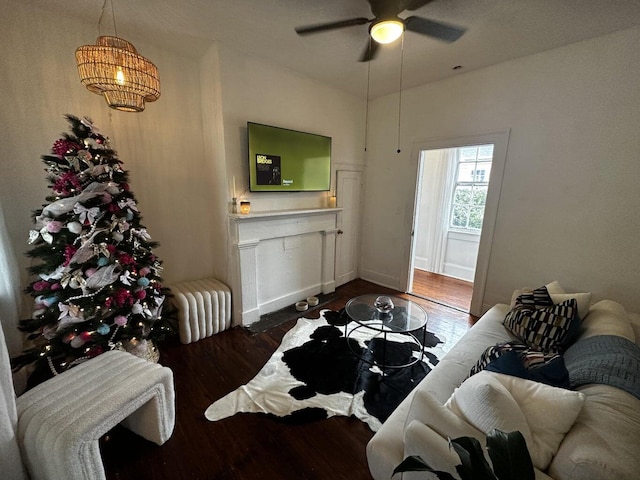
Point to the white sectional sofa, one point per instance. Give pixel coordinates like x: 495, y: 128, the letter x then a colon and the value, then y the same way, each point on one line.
x: 603, y: 421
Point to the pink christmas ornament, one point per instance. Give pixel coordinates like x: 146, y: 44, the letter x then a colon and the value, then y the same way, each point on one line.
x: 41, y: 285
x: 54, y: 226
x: 121, y: 320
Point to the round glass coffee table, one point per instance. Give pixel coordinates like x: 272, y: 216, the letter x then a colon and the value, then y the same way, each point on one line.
x: 393, y: 319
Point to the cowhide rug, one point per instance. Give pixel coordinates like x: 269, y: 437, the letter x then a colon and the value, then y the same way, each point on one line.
x: 315, y: 374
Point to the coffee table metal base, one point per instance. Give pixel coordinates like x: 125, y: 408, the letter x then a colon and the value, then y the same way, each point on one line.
x: 385, y: 333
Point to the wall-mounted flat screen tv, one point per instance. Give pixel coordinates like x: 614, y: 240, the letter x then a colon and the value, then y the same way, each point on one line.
x: 283, y: 160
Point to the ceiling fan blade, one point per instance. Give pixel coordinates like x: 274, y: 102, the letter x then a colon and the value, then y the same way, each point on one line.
x: 413, y: 4
x: 441, y: 31
x: 370, y: 52
x: 322, y: 27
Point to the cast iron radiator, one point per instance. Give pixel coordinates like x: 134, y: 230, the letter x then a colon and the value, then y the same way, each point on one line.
x: 204, y: 308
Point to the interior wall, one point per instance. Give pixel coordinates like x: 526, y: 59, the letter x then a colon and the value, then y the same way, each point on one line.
x: 162, y: 147
x: 569, y: 192
x: 181, y: 152
x: 255, y: 91
x: 264, y: 93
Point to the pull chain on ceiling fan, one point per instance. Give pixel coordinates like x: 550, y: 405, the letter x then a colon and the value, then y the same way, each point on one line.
x: 386, y: 26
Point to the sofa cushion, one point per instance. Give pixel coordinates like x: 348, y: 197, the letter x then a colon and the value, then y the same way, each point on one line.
x: 536, y: 298
x: 428, y: 426
x: 583, y: 299
x: 429, y: 411
x: 494, y: 352
x: 554, y: 287
x: 423, y: 441
x: 552, y: 371
x: 603, y: 443
x: 607, y: 318
x: 517, y: 359
x: 543, y: 414
x: 542, y: 326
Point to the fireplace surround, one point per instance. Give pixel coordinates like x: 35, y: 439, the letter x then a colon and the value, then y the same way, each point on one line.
x: 279, y: 258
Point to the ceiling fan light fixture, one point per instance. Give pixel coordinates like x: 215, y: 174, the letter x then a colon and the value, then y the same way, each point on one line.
x: 386, y: 31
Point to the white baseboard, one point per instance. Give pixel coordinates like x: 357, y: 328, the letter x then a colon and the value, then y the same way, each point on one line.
x: 250, y: 316
x: 380, y: 279
x: 459, y: 271
x: 421, y: 263
x: 285, y: 300
x: 329, y: 287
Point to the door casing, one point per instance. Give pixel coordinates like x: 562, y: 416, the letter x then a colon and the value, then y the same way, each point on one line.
x: 500, y: 140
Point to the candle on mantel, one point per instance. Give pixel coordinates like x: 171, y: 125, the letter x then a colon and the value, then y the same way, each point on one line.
x: 332, y: 201
x: 233, y: 179
x: 245, y: 207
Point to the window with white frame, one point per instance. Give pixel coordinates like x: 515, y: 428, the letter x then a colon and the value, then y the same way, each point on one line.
x: 470, y: 190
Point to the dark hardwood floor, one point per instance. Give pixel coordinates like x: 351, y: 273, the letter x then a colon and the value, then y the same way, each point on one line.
x: 443, y: 289
x: 251, y: 446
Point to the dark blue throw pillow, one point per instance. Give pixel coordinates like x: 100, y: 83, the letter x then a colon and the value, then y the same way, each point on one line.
x: 508, y: 363
x: 554, y: 373
x: 527, y: 364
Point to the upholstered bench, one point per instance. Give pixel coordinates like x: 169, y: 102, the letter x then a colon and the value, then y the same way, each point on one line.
x: 61, y: 420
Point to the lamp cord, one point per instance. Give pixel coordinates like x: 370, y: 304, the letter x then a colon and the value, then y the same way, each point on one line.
x: 400, y: 90
x: 113, y: 17
x: 366, y: 113
x: 104, y: 4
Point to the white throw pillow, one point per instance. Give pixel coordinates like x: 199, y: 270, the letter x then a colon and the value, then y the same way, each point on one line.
x: 583, y: 300
x: 429, y: 411
x: 545, y: 413
x: 487, y: 404
x: 553, y: 287
x: 558, y: 295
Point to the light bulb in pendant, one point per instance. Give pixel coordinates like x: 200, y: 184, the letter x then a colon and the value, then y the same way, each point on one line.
x: 120, y: 76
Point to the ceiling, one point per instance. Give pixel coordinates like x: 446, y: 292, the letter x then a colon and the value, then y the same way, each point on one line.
x: 497, y: 30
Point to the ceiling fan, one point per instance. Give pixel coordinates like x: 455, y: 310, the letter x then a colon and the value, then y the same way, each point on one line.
x: 386, y: 26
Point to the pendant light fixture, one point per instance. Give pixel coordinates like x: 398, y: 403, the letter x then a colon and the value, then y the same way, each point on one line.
x: 113, y: 68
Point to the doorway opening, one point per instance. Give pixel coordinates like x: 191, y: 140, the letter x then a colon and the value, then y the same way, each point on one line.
x: 451, y: 196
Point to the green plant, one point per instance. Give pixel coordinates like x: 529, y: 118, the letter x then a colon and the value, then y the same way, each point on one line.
x: 508, y: 453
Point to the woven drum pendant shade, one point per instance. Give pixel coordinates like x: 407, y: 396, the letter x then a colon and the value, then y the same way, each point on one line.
x: 113, y: 68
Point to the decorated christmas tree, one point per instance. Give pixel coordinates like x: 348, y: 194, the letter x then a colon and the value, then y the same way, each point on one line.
x: 98, y: 284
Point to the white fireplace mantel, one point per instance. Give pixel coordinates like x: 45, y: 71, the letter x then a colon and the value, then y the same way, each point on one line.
x: 281, y: 257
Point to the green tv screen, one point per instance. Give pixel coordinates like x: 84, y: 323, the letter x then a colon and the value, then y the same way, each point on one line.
x: 282, y: 160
